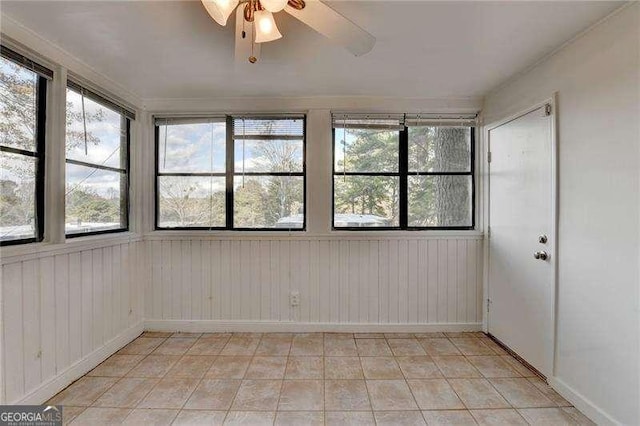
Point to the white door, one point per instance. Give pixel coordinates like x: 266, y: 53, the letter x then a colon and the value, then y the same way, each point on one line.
x: 521, y: 218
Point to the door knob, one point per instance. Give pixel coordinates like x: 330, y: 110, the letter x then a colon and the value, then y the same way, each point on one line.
x: 541, y: 255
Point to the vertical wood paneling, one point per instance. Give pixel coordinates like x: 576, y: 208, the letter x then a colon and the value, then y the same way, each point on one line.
x: 274, y: 280
x: 107, y: 262
x: 47, y: 318
x: 264, y: 279
x: 125, y: 293
x: 196, y: 277
x: 63, y: 311
x: 394, y: 282
x: 324, y: 281
x: 461, y: 283
x: 403, y: 282
x: 31, y: 323
x: 442, y: 280
x: 334, y: 284
x: 206, y: 260
x: 12, y: 329
x: 177, y: 283
x: 314, y: 281
x: 433, y: 280
x: 373, y: 281
x: 59, y: 307
x: 412, y: 281
x: 97, y: 298
x: 383, y: 274
x: 165, y: 273
x: 75, y: 306
x: 254, y: 281
x: 423, y: 281
x: 339, y: 280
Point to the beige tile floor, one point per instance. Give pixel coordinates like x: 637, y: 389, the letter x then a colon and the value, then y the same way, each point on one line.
x: 313, y: 379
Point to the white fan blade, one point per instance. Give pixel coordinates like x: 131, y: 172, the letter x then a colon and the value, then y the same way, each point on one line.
x: 334, y: 26
x: 243, y: 45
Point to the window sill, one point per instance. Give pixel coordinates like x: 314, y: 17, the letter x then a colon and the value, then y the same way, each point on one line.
x: 306, y: 235
x: 9, y: 254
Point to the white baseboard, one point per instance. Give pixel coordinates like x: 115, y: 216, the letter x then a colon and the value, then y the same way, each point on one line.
x: 76, y: 370
x: 204, y: 326
x: 583, y: 404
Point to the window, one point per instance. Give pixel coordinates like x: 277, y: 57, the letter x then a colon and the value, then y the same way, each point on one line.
x: 236, y: 173
x: 397, y: 172
x: 23, y: 91
x: 97, y: 164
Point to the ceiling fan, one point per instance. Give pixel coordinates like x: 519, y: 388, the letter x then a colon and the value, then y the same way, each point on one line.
x: 255, y: 24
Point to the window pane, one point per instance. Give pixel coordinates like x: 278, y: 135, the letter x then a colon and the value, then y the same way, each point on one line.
x: 366, y: 201
x: 94, y: 200
x: 439, y: 149
x: 17, y: 197
x: 266, y: 126
x: 191, y: 201
x: 198, y: 147
x: 366, y: 150
x: 439, y: 201
x: 104, y: 137
x: 268, y: 156
x: 18, y: 100
x: 268, y: 202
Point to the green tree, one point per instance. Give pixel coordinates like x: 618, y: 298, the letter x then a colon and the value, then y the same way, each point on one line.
x: 85, y: 205
x: 370, y: 151
x: 438, y: 200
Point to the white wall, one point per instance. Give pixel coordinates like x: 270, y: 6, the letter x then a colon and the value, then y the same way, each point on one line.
x: 342, y: 282
x: 597, y: 78
x: 347, y: 280
x: 67, y: 305
x: 65, y: 309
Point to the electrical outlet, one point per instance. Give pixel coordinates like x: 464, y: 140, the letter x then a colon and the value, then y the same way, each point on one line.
x: 294, y: 298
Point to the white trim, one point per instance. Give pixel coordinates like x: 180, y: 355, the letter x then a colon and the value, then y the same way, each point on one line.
x: 21, y: 253
x: 364, y: 104
x: 588, y: 408
x: 182, y: 235
x: 78, y: 369
x: 552, y: 100
x: 204, y: 326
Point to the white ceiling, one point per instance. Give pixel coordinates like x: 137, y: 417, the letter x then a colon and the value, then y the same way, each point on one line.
x: 173, y: 49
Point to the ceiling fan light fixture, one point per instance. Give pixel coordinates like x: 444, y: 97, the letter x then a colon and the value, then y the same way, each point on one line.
x: 274, y: 6
x: 266, y: 29
x: 220, y: 10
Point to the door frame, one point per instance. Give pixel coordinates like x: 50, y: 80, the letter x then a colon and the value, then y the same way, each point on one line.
x: 485, y: 170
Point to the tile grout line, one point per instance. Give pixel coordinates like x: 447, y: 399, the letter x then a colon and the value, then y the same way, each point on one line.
x: 467, y: 356
x: 243, y: 375
x: 284, y: 373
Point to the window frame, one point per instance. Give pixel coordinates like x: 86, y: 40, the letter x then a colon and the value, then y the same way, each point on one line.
x: 229, y: 175
x: 125, y: 121
x: 403, y: 196
x: 40, y: 144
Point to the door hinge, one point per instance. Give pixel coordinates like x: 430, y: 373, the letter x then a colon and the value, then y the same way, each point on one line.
x: 488, y: 232
x: 488, y: 304
x: 489, y: 157
x: 547, y: 110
